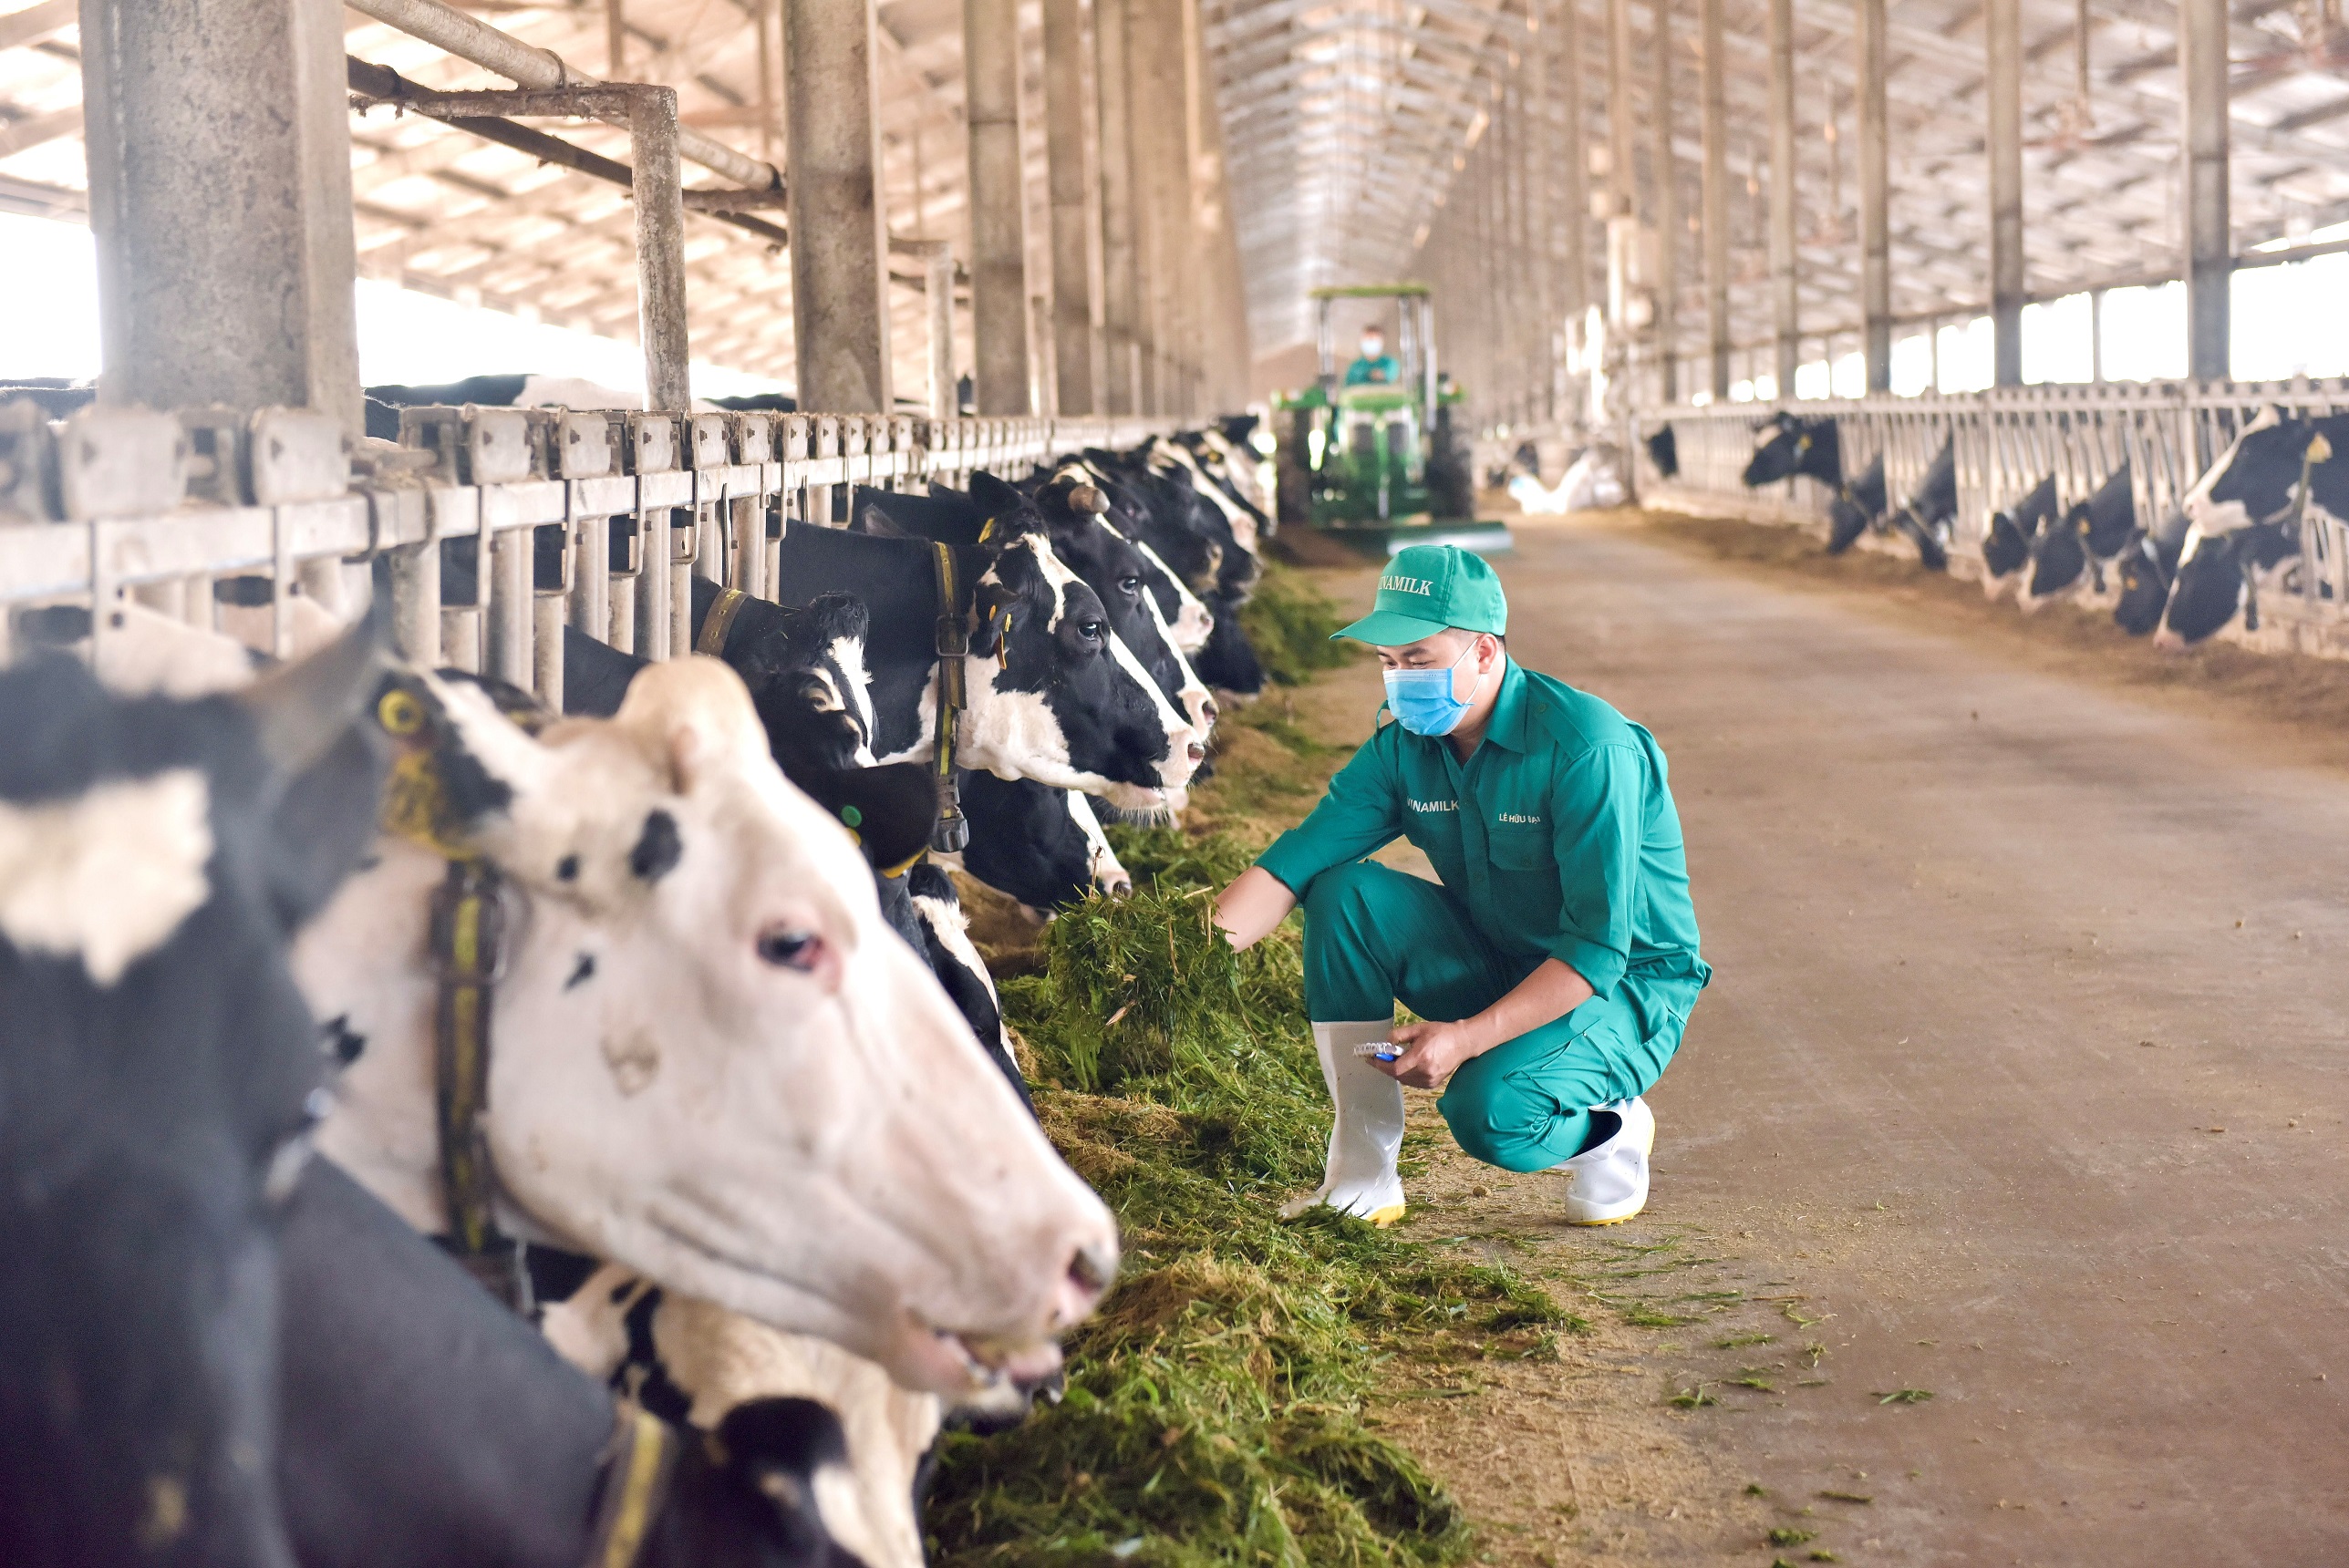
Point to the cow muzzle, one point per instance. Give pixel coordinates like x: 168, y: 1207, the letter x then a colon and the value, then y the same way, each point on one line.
x: 960, y: 1364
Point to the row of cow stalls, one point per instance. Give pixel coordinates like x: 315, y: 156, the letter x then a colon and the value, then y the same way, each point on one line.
x: 2188, y: 509
x: 171, y: 504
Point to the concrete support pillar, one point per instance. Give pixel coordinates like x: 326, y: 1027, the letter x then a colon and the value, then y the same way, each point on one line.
x: 204, y: 297
x: 2002, y: 91
x: 839, y: 301
x: 1716, y: 220
x: 1158, y: 78
x: 1227, y: 330
x: 1668, y: 214
x: 938, y: 306
x: 659, y: 202
x: 1574, y: 170
x: 1619, y: 187
x: 2209, y: 240
x: 1786, y: 290
x: 1191, y: 280
x: 1875, y: 201
x: 1121, y: 311
x: 1064, y: 143
x: 998, y: 207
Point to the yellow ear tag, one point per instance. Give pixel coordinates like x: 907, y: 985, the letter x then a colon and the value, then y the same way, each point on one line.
x: 399, y: 713
x: 2320, y: 450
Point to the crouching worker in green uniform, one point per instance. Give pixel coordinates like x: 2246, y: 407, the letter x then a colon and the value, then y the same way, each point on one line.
x: 1556, y: 963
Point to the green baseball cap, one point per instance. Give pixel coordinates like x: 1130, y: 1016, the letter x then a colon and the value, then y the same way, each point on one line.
x: 1432, y: 588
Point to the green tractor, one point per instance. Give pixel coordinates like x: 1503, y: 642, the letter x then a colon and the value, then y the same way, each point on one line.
x: 1376, y: 462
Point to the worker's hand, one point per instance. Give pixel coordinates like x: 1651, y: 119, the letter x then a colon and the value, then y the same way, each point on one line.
x: 1435, y: 1053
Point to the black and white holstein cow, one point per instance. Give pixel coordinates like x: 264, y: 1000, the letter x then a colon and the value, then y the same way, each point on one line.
x: 1102, y: 559
x: 2244, y: 518
x: 159, y: 1077
x: 1052, y: 693
x: 1041, y: 846
x: 1793, y: 445
x: 1664, y: 452
x: 1931, y: 510
x: 2144, y: 574
x: 1796, y: 446
x: 2007, y: 541
x: 1231, y: 462
x: 713, y: 1063
x: 2072, y: 553
x: 1179, y: 463
x: 684, y: 1359
x: 1163, y: 519
x: 1857, y: 507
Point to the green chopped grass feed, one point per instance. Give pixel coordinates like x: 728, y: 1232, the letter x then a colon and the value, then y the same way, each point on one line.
x: 1216, y: 1409
x: 1288, y: 622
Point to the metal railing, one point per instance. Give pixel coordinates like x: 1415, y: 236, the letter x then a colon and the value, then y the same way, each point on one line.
x: 590, y: 519
x: 2005, y: 441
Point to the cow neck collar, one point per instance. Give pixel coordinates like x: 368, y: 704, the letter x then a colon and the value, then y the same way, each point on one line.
x: 718, y: 624
x: 957, y: 601
x: 638, y: 1465
x: 467, y: 942
x: 953, y: 646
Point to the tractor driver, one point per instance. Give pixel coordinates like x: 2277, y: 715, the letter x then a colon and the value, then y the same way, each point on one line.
x: 1556, y: 960
x: 1376, y: 366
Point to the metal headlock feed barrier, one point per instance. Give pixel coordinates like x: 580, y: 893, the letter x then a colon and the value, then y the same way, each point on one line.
x: 596, y: 519
x: 2005, y: 441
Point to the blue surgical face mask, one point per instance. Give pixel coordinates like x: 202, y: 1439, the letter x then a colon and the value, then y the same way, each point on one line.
x: 1422, y: 700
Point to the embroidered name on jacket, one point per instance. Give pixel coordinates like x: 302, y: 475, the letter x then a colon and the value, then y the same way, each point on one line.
x: 1392, y: 583
x: 1514, y: 817
x: 1435, y: 805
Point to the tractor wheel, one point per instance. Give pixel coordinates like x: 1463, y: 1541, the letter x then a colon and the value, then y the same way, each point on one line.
x: 1450, y: 489
x: 1293, y: 475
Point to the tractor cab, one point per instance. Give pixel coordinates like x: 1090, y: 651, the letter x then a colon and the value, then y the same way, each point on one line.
x: 1370, y: 453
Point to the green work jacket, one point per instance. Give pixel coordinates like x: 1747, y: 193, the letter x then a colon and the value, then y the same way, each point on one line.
x: 1559, y: 834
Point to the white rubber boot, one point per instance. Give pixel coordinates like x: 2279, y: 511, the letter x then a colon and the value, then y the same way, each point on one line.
x: 1608, y: 1183
x: 1359, y: 1177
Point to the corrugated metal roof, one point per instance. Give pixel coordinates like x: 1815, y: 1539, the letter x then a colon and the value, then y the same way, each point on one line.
x: 1345, y: 121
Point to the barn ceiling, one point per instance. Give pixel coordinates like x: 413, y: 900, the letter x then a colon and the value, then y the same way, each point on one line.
x: 1346, y: 122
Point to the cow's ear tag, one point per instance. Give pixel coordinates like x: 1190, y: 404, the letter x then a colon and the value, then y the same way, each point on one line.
x: 399, y: 713
x: 1802, y: 443
x: 2320, y: 450
x: 851, y: 816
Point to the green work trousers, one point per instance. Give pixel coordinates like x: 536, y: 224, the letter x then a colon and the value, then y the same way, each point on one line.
x: 1374, y: 936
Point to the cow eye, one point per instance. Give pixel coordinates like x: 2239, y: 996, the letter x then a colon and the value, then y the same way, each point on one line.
x: 1090, y: 631
x: 787, y: 947
x: 1129, y: 585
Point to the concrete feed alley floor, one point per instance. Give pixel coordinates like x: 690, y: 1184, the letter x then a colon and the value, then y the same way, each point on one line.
x: 2020, y: 1089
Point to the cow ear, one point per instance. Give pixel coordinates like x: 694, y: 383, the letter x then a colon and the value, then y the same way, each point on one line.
x: 992, y: 494
x: 328, y: 758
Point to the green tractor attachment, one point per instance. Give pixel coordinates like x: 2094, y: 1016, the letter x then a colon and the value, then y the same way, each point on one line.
x: 1376, y: 462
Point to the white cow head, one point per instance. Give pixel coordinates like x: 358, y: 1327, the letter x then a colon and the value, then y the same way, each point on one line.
x: 711, y: 1062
